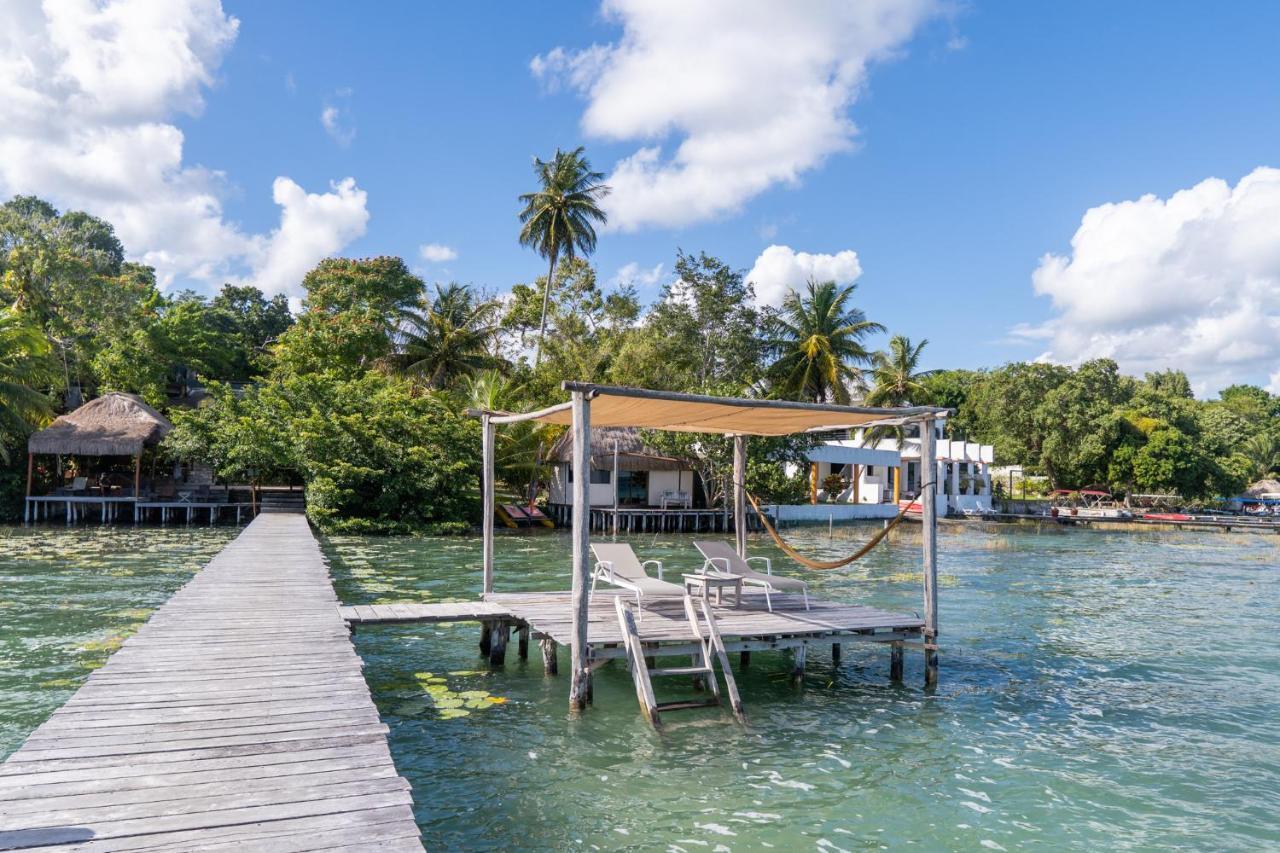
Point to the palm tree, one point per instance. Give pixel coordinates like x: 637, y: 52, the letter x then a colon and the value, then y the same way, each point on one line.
x: 24, y: 366
x: 896, y: 382
x: 1263, y: 453
x: 559, y: 218
x: 818, y: 342
x: 448, y: 337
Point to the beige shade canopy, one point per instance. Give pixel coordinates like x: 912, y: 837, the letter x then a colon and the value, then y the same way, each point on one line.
x: 666, y: 410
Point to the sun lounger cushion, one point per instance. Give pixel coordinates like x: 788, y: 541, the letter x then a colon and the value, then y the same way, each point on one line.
x: 627, y: 565
x: 724, y: 551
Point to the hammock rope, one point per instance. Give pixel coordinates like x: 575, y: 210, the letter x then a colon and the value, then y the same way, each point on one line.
x: 822, y: 565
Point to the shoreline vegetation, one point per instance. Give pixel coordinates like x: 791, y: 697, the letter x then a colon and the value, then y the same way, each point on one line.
x: 360, y: 395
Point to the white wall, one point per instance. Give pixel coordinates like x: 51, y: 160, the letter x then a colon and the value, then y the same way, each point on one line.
x: 674, y: 481
x: 815, y: 513
x: 560, y: 492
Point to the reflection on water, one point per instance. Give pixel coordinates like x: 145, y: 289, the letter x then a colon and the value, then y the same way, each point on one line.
x: 70, y: 596
x: 1098, y: 690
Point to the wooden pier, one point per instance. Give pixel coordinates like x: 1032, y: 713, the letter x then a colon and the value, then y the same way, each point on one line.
x: 662, y: 628
x: 237, y: 718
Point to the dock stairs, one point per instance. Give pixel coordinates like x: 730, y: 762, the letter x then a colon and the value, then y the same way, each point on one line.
x: 283, y: 501
x: 710, y: 650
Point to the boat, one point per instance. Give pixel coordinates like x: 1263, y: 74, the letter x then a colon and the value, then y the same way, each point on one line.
x: 1085, y: 504
x: 1168, y: 516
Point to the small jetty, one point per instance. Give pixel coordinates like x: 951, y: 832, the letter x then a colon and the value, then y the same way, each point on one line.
x: 237, y: 718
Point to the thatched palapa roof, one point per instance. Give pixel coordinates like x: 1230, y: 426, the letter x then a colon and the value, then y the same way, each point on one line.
x: 1263, y: 487
x: 633, y: 453
x: 114, y: 424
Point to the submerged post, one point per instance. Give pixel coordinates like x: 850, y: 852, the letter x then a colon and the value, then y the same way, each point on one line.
x: 929, y: 525
x: 578, y: 688
x: 486, y: 490
x: 740, y: 494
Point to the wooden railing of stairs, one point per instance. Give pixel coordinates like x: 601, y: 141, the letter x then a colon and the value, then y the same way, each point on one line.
x: 703, y: 669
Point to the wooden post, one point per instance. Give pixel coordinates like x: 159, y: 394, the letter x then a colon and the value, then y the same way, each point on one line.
x: 524, y: 642
x: 740, y: 494
x: 744, y: 659
x: 797, y: 665
x: 137, y: 476
x: 549, y: 664
x: 26, y: 504
x: 813, y: 483
x: 897, y: 482
x: 578, y: 652
x: 615, y: 487
x: 929, y: 524
x: 856, y: 496
x: 486, y: 490
x: 895, y: 661
x: 835, y: 654
x: 486, y: 634
x: 498, y: 643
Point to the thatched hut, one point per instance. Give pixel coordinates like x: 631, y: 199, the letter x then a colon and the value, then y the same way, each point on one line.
x: 1268, y: 486
x: 114, y: 424
x: 644, y: 476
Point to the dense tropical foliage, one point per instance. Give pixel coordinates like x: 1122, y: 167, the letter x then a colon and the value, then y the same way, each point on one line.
x: 360, y: 394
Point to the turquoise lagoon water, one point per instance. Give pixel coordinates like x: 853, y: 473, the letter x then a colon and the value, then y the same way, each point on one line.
x: 1098, y: 690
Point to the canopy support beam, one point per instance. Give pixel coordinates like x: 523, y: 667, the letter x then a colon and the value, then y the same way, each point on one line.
x: 740, y: 494
x: 486, y: 488
x: 579, y: 663
x: 929, y: 523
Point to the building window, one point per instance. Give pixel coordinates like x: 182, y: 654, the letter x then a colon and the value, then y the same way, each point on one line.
x: 599, y: 476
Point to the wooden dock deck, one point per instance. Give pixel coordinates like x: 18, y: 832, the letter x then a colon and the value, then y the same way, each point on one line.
x: 547, y: 616
x: 237, y: 718
x: 750, y: 627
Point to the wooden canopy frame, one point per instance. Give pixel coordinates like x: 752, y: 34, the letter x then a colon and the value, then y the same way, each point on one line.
x: 730, y: 416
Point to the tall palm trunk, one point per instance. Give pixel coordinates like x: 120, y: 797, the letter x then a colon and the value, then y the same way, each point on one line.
x: 546, y: 296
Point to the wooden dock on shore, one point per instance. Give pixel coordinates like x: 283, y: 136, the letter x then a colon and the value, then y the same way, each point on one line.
x: 237, y: 718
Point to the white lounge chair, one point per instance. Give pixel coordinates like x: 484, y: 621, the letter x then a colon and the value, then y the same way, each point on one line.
x: 722, y: 557
x: 618, y: 565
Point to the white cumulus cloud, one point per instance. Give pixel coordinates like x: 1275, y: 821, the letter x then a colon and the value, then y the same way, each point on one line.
x: 634, y: 274
x: 91, y: 88
x: 727, y: 97
x: 781, y: 268
x: 437, y: 253
x: 337, y: 119
x: 1190, y: 282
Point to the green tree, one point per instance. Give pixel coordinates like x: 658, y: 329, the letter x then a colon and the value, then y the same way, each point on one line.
x: 559, y: 218
x: 450, y: 337
x: 896, y: 380
x: 703, y: 334
x: 1263, y: 454
x: 24, y: 366
x: 350, y: 316
x: 817, y: 339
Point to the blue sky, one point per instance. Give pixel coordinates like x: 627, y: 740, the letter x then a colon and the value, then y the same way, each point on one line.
x: 981, y: 143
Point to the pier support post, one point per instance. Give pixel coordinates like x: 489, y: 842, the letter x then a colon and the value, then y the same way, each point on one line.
x: 835, y: 654
x: 740, y: 494
x: 498, y: 643
x: 797, y: 665
x: 744, y: 659
x: 580, y: 686
x: 550, y: 666
x: 486, y: 489
x: 929, y: 525
x: 895, y: 661
x: 524, y: 642
x: 486, y: 630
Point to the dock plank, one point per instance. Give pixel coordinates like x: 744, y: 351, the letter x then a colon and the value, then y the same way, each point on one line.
x: 237, y: 717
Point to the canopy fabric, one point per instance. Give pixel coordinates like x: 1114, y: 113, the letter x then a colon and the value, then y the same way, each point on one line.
x: 633, y: 407
x: 114, y: 424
